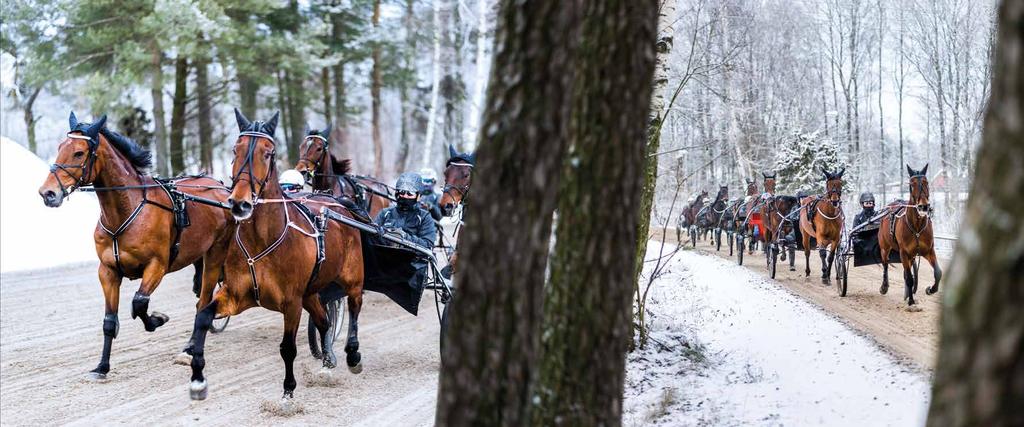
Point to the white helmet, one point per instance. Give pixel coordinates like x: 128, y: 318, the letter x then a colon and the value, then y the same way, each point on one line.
x: 291, y: 177
x: 428, y: 173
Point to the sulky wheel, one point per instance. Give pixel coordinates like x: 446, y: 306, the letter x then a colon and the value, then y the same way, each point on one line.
x: 444, y: 325
x: 842, y: 275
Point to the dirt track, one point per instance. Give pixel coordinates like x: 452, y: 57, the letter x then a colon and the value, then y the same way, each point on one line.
x: 912, y: 336
x: 50, y: 334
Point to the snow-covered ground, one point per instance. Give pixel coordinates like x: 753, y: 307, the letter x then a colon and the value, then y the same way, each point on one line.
x: 32, y: 235
x: 732, y: 348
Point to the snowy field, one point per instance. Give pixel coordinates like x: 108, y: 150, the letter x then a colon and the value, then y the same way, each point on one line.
x: 33, y: 235
x: 730, y: 347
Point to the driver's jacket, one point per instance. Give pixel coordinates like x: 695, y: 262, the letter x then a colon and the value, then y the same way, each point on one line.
x: 863, y: 217
x: 415, y: 222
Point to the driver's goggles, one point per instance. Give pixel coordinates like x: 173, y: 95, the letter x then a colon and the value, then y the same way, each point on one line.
x: 406, y: 194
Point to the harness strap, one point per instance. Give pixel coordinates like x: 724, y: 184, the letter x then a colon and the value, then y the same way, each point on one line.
x: 252, y: 260
x: 124, y: 226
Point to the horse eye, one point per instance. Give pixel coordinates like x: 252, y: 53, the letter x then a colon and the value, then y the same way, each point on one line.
x: 79, y: 154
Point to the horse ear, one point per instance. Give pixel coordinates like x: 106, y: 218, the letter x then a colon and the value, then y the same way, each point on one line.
x: 840, y: 174
x: 271, y: 125
x: 825, y: 172
x: 326, y: 133
x: 764, y: 175
x: 94, y: 129
x: 243, y: 123
x: 72, y: 121
x: 451, y: 151
x: 910, y: 172
x: 925, y: 170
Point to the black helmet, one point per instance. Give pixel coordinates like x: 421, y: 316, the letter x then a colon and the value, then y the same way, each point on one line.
x: 867, y: 197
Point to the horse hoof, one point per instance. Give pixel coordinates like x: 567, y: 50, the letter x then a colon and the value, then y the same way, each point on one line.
x: 197, y: 390
x: 913, y: 308
x: 156, y: 320
x: 358, y: 368
x: 929, y: 291
x: 98, y: 377
x: 792, y: 268
x: 884, y: 289
x: 182, y: 358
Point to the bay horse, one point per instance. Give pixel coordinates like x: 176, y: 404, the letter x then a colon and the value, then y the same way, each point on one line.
x: 822, y: 218
x: 738, y: 214
x: 137, y: 234
x: 688, y: 217
x: 327, y: 174
x: 716, y: 211
x: 282, y: 256
x: 908, y: 229
x: 458, y: 178
x: 775, y: 213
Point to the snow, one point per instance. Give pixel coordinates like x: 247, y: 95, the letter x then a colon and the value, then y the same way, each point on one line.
x: 35, y: 236
x: 732, y: 348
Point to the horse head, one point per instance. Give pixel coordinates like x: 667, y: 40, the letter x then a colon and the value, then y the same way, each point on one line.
x: 253, y: 174
x: 919, y: 194
x: 751, y: 187
x: 834, y: 185
x: 458, y: 177
x: 769, y: 182
x: 76, y: 163
x: 314, y: 152
x: 723, y: 193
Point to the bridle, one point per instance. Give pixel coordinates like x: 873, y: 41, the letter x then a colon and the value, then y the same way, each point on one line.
x: 311, y: 172
x: 463, y: 191
x: 246, y: 167
x: 87, y: 166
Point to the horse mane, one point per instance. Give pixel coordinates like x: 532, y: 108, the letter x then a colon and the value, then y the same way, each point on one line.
x: 139, y: 157
x: 341, y: 167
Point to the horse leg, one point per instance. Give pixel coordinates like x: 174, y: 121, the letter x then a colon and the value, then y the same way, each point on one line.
x: 831, y: 260
x: 220, y: 306
x: 352, y: 356
x: 318, y: 318
x: 197, y: 278
x: 823, y: 253
x: 908, y: 278
x: 151, y: 278
x: 937, y: 271
x: 807, y: 260
x: 211, y: 268
x: 110, y: 280
x: 292, y: 316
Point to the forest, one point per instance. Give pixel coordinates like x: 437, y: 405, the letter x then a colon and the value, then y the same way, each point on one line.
x: 593, y: 121
x: 398, y: 79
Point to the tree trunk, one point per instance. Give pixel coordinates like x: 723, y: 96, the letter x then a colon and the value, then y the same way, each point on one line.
x: 480, y: 77
x: 340, y: 120
x: 979, y: 377
x: 666, y: 30
x: 375, y: 86
x: 296, y: 112
x: 31, y: 119
x: 284, y: 102
x: 177, y: 145
x: 588, y: 311
x: 159, y: 126
x: 489, y: 362
x: 247, y: 90
x: 205, y: 115
x: 452, y: 86
x: 410, y: 66
x: 435, y: 91
x: 325, y: 88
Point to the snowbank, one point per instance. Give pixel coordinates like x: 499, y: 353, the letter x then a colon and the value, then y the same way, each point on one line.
x: 31, y: 234
x: 731, y: 348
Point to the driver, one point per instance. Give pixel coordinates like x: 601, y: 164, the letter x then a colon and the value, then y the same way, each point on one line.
x: 428, y: 198
x: 407, y: 219
x: 867, y: 204
x: 291, y: 181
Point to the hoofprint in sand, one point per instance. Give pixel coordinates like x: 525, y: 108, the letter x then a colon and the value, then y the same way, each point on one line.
x: 729, y: 347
